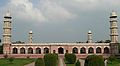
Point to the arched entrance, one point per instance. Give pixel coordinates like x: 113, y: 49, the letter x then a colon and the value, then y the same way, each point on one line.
x: 15, y: 51
x: 54, y: 51
x: 98, y: 50
x: 90, y: 50
x: 75, y: 50
x: 46, y: 50
x: 60, y: 50
x: 106, y: 50
x: 38, y: 51
x: 30, y: 51
x: 22, y: 50
x: 82, y: 50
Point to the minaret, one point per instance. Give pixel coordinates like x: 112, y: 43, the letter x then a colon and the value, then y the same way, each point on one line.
x: 89, y: 36
x: 30, y: 37
x: 113, y: 33
x: 113, y: 27
x: 7, y: 33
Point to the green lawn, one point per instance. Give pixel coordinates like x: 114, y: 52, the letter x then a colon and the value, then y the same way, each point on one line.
x: 114, y: 63
x: 70, y: 64
x: 16, y: 62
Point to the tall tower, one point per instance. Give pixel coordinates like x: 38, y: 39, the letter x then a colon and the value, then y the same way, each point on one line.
x: 7, y: 33
x: 89, y: 36
x: 30, y: 37
x: 113, y: 33
x: 113, y: 27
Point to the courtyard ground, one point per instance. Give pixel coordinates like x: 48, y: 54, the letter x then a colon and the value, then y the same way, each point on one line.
x: 31, y: 64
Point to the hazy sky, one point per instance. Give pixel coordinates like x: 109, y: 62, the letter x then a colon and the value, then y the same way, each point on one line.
x: 59, y: 20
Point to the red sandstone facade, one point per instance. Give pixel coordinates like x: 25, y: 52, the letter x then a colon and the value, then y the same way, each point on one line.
x: 35, y: 50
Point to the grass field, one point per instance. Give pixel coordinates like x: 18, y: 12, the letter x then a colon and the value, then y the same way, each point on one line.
x: 114, y: 63
x: 16, y: 62
x: 70, y: 64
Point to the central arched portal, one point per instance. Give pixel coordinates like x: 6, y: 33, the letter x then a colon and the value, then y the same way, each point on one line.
x: 60, y: 50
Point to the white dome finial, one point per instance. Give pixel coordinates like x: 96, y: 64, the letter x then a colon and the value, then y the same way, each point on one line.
x: 8, y: 13
x: 30, y: 32
x: 89, y: 31
x: 113, y: 13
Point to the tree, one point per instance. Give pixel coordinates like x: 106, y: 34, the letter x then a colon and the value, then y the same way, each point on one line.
x: 112, y: 58
x: 0, y: 40
x: 94, y: 60
x: 107, y: 41
x: 119, y: 47
x: 1, y: 49
x: 77, y: 63
x: 39, y: 62
x: 5, y: 56
x: 70, y: 58
x: 51, y: 59
x: 101, y: 41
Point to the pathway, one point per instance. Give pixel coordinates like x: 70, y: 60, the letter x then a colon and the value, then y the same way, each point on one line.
x: 61, y: 63
x: 31, y: 64
x: 82, y: 62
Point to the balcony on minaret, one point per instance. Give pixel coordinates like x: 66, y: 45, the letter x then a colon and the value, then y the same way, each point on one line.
x: 7, y: 27
x: 6, y: 35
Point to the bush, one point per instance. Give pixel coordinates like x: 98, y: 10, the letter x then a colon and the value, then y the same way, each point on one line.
x: 77, y: 63
x: 39, y: 62
x: 94, y: 60
x: 56, y: 55
x: 51, y: 59
x: 11, y: 59
x: 112, y: 58
x: 5, y: 56
x: 70, y: 58
x: 28, y: 57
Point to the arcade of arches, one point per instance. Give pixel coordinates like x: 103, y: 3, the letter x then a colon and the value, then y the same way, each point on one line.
x: 60, y: 50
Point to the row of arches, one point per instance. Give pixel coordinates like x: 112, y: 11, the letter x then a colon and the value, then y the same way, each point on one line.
x: 60, y: 50
x: 90, y: 50
x: 30, y: 51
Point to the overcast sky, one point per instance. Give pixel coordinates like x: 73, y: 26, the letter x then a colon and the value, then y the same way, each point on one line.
x: 59, y: 20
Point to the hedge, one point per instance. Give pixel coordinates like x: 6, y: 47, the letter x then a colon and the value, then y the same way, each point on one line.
x: 94, y: 60
x: 70, y: 58
x: 78, y: 63
x: 51, y: 59
x: 39, y: 62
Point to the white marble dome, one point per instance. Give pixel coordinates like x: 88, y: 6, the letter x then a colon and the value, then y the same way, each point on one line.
x: 89, y: 31
x: 30, y: 32
x: 8, y: 13
x: 113, y: 13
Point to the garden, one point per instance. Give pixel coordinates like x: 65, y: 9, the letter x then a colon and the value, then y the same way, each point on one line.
x: 53, y: 60
x: 15, y: 61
